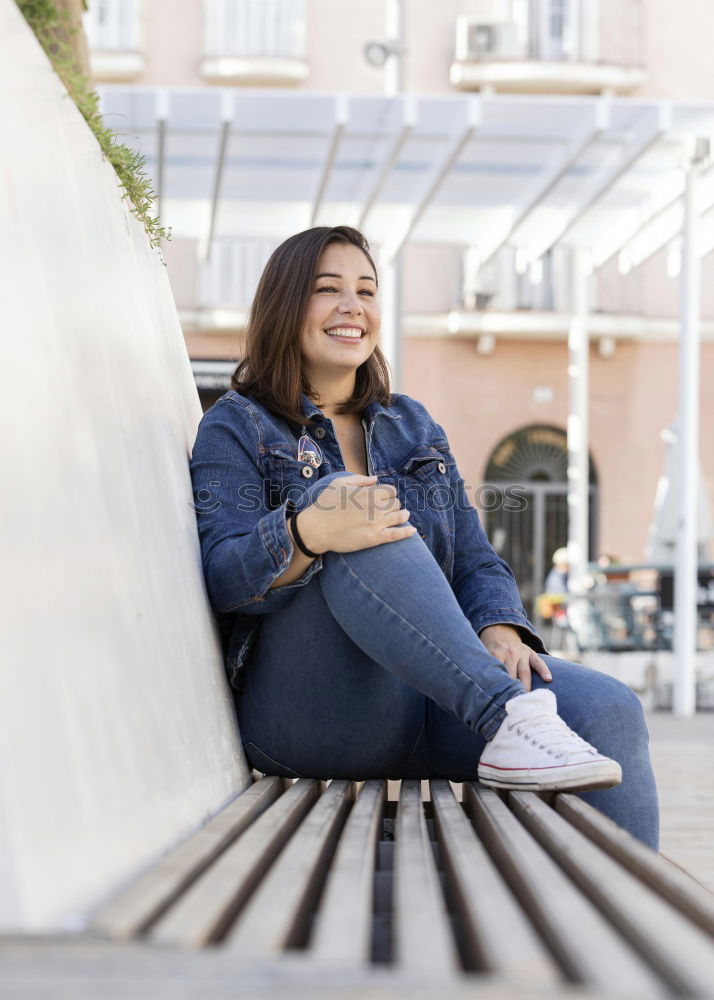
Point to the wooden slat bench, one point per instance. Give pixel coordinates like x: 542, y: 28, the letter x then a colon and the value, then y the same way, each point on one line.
x: 117, y: 701
x: 334, y: 887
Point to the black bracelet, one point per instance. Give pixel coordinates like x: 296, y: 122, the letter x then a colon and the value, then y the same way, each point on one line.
x: 292, y: 519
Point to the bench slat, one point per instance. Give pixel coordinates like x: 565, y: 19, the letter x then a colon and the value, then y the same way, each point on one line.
x: 146, y: 900
x: 587, y: 947
x: 681, y: 952
x: 209, y: 905
x: 277, y: 916
x: 423, y: 939
x: 343, y: 932
x: 496, y: 932
x: 675, y: 885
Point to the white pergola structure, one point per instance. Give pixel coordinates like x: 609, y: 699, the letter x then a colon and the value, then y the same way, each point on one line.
x: 603, y: 176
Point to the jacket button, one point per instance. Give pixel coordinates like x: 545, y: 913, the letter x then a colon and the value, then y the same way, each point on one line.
x: 319, y: 433
x: 441, y: 467
x: 308, y: 471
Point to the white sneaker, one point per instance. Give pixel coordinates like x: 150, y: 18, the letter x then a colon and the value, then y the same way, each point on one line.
x: 534, y: 749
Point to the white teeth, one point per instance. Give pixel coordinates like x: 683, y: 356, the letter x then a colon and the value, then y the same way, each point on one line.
x: 344, y: 332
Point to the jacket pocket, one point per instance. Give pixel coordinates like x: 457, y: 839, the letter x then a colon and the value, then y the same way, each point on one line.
x: 423, y: 483
x: 429, y: 462
x: 287, y: 479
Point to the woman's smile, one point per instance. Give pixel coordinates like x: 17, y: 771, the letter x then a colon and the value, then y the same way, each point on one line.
x: 345, y: 333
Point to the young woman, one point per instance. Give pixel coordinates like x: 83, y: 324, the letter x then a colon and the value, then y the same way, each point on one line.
x: 369, y: 626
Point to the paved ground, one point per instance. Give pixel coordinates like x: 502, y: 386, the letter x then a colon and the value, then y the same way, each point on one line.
x: 683, y: 758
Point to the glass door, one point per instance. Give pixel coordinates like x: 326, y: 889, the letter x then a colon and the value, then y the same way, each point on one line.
x: 558, y: 29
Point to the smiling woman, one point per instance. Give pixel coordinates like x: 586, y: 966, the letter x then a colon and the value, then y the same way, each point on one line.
x: 316, y: 279
x: 392, y: 639
x: 341, y: 323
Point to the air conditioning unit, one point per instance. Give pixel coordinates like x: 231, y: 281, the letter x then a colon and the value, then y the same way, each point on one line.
x: 478, y: 40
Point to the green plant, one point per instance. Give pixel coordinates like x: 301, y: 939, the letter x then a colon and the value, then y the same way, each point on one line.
x: 56, y: 33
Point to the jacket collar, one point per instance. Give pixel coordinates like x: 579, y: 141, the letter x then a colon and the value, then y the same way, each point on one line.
x: 370, y: 412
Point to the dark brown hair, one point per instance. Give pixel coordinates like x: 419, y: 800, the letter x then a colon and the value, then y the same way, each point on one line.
x: 271, y: 369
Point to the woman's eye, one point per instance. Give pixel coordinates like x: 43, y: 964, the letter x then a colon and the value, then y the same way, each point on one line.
x: 330, y: 288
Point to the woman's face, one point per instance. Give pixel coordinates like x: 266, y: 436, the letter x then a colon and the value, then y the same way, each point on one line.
x: 343, y: 316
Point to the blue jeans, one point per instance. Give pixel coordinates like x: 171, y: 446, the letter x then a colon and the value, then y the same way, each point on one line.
x: 372, y: 670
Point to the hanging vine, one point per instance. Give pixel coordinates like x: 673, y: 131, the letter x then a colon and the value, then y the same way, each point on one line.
x: 53, y: 26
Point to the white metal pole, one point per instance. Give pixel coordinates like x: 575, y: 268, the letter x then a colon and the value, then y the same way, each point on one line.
x: 578, y: 455
x: 391, y: 291
x: 390, y: 334
x: 685, y: 575
x: 394, y: 33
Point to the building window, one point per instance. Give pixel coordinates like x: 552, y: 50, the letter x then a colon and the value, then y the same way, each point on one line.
x: 255, y: 28
x: 557, y: 27
x: 112, y: 25
x: 558, y: 31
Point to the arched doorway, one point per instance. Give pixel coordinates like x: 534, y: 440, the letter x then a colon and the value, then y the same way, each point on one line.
x: 525, y: 507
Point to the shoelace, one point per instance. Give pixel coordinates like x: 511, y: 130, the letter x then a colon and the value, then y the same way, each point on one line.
x: 552, y: 735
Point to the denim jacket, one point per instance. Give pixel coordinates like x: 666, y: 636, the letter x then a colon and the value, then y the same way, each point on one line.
x: 246, y: 477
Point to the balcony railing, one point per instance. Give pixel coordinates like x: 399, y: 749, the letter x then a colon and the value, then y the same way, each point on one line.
x: 556, y: 30
x: 500, y: 286
x: 230, y: 278
x: 581, y: 45
x: 112, y: 25
x: 255, y: 28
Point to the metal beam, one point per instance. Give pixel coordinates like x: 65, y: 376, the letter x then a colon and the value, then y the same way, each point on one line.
x: 674, y: 230
x: 640, y: 228
x: 341, y: 117
x: 640, y: 145
x: 227, y: 111
x: 552, y: 176
x: 455, y: 148
x: 408, y: 122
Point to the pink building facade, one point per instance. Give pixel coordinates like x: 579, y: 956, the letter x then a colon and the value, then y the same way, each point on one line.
x: 481, y: 388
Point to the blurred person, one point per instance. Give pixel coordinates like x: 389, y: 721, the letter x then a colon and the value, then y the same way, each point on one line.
x: 364, y: 637
x: 557, y: 580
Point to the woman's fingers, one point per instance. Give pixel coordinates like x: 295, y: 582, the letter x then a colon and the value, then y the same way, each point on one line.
x: 519, y: 660
x: 357, y: 479
x: 523, y: 671
x: 540, y: 666
x: 396, y: 526
x: 516, y: 664
x: 391, y: 518
x: 381, y: 493
x: 397, y: 534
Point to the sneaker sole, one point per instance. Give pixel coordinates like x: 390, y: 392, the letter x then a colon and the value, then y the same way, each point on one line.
x: 601, y: 777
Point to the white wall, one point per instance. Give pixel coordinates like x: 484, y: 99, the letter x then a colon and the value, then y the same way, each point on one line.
x: 117, y: 737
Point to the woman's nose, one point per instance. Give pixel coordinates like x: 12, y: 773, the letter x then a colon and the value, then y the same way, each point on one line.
x: 350, y: 303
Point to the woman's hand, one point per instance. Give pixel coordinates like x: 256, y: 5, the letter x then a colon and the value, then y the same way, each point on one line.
x: 504, y: 642
x: 351, y: 513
